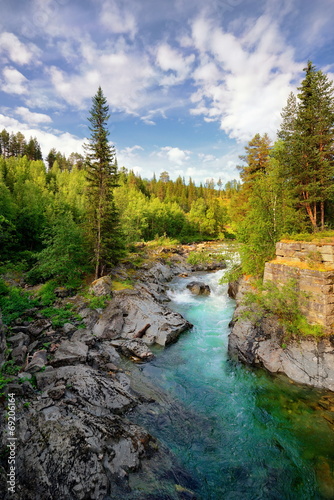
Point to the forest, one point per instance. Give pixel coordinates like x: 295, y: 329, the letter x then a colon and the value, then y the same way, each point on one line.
x: 66, y: 217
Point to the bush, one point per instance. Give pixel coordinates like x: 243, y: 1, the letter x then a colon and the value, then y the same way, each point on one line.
x: 60, y: 315
x: 285, y: 304
x: 14, y: 302
x: 195, y: 258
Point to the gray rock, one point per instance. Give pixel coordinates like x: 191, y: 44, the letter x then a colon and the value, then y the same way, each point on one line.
x: 84, y: 335
x: 306, y: 361
x: 110, y: 322
x: 198, y: 288
x: 139, y: 309
x: 39, y: 326
x: 56, y: 392
x: 19, y: 354
x: 19, y: 339
x: 130, y: 348
x: 69, y: 328
x: 69, y: 353
x: 46, y: 378
x: 101, y: 286
x: 37, y: 362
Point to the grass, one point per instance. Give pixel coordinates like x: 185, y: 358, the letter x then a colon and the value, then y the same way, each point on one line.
x: 319, y: 237
x: 14, y: 302
x: 312, y: 266
x: 122, y: 285
x: 60, y: 315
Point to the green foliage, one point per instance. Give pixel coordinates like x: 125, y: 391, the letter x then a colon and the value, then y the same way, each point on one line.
x: 204, y: 257
x: 98, y: 302
x: 10, y: 368
x: 46, y: 293
x: 3, y: 382
x: 60, y: 315
x: 14, y: 302
x: 65, y: 256
x: 285, y: 303
x: 232, y: 274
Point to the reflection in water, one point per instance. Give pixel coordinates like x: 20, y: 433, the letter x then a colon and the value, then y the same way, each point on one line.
x: 240, y: 433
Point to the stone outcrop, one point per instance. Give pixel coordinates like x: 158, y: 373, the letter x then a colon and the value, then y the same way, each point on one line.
x: 134, y: 312
x: 101, y: 286
x: 74, y: 440
x: 312, y: 268
x: 262, y: 343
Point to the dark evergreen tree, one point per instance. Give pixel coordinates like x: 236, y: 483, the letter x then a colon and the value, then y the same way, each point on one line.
x: 308, y: 134
x: 103, y: 220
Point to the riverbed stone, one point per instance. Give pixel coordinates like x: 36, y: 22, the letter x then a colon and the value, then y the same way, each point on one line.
x: 198, y: 288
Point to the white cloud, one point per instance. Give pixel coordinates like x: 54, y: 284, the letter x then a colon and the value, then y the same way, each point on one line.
x: 13, y: 81
x: 175, y: 155
x: 171, y: 60
x: 15, y: 50
x: 32, y: 118
x: 243, y: 81
x: 118, y: 19
x: 207, y: 157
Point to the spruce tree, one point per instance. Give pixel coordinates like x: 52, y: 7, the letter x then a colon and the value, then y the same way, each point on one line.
x: 308, y: 134
x: 101, y: 165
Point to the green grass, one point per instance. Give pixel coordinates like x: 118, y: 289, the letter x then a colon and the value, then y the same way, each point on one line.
x: 14, y: 302
x: 60, y: 315
x: 310, y: 237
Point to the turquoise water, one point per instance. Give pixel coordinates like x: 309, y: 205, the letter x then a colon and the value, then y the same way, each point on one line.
x: 240, y: 433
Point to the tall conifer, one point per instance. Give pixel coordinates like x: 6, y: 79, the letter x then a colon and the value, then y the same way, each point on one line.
x: 103, y: 220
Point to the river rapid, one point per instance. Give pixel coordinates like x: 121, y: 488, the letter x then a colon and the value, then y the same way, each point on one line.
x: 239, y: 433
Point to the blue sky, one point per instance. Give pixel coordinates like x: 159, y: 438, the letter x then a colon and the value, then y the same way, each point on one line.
x: 188, y: 82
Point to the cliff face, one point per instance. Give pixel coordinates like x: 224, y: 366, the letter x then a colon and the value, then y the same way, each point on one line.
x: 307, y: 361
x: 312, y: 267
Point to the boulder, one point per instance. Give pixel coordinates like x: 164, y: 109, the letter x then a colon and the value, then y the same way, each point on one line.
x: 18, y: 340
x: 262, y: 343
x: 140, y: 309
x: 37, y: 362
x: 39, y: 326
x: 101, y: 286
x: 136, y: 347
x: 198, y: 288
x: 110, y: 322
x: 70, y: 353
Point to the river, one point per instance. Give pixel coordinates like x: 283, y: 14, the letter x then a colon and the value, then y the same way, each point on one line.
x: 240, y: 433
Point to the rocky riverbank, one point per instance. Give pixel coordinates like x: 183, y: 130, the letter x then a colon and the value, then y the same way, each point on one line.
x: 261, y: 343
x: 72, y: 395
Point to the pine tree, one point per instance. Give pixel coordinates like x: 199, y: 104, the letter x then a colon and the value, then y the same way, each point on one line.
x: 308, y: 134
x: 103, y: 219
x: 256, y: 158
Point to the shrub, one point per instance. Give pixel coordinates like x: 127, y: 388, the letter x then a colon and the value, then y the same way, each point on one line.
x: 285, y: 303
x: 13, y: 302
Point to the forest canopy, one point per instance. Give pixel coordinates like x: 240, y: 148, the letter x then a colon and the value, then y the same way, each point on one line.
x: 63, y: 217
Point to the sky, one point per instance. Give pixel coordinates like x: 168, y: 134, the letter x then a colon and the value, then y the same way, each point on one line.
x: 188, y: 82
